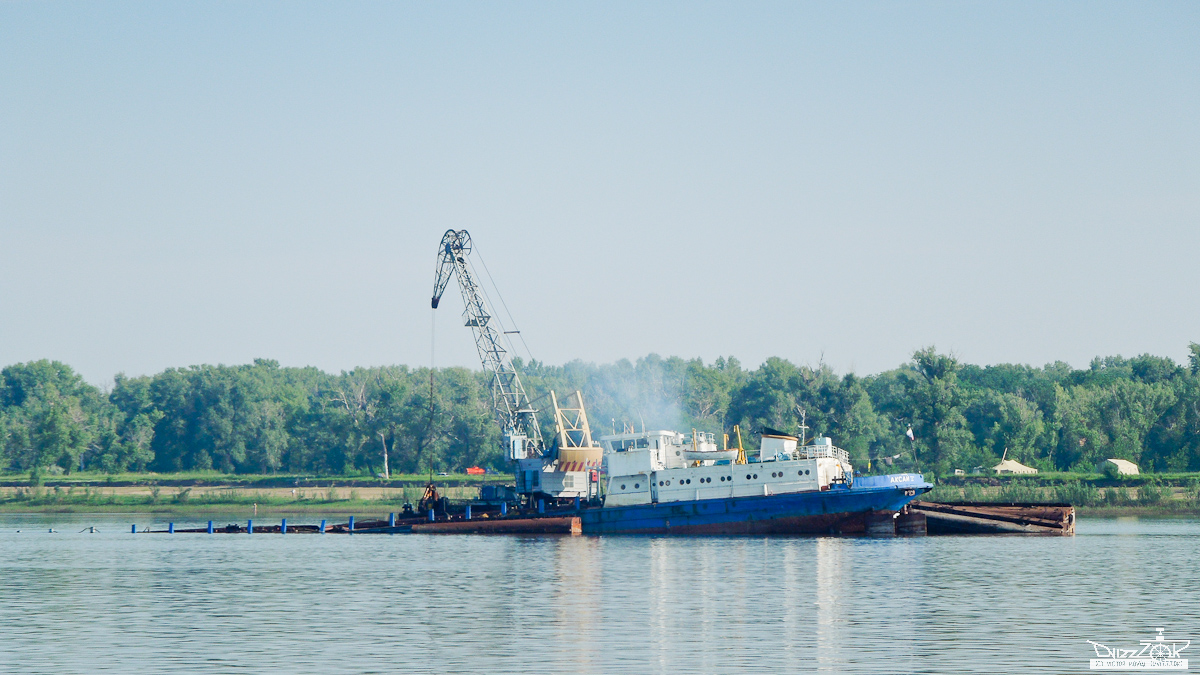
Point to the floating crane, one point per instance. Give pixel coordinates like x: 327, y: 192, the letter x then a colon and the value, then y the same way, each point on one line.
x: 517, y: 418
x: 570, y: 468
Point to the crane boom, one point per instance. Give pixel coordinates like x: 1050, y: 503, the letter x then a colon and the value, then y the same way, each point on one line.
x: 517, y: 418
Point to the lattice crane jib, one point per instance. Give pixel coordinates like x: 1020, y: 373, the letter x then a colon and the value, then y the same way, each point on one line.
x: 522, y: 435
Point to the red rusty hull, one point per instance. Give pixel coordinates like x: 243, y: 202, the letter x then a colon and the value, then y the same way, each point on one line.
x: 552, y: 525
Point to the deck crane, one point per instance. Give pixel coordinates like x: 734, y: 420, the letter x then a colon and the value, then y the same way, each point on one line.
x: 517, y: 418
x: 564, y: 471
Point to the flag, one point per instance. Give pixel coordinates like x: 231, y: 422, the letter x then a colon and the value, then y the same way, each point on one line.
x: 910, y: 435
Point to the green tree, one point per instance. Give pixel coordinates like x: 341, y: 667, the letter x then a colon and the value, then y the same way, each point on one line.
x: 943, y: 437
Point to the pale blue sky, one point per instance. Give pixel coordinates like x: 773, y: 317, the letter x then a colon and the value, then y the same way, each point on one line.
x: 186, y: 183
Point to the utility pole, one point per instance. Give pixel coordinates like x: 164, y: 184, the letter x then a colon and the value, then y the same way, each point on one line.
x: 803, y: 425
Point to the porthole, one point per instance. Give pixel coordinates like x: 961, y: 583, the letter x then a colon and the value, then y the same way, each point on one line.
x: 668, y: 483
x: 755, y: 476
x: 806, y: 472
x: 689, y: 481
x: 622, y: 487
x: 800, y: 472
x: 660, y: 483
x: 747, y: 476
x: 676, y: 453
x: 636, y: 486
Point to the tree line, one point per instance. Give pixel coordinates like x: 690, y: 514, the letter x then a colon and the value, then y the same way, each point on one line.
x: 263, y: 418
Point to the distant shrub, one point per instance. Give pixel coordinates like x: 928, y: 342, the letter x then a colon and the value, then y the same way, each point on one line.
x: 1116, y: 497
x: 1018, y: 493
x: 1077, y: 494
x: 1150, y: 494
x: 973, y: 493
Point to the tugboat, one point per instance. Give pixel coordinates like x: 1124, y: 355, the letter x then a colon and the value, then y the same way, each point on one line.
x: 657, y: 484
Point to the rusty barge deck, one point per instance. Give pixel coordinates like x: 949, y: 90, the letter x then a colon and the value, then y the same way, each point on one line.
x: 988, y: 518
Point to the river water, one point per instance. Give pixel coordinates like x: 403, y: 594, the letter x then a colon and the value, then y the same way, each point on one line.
x: 111, y: 601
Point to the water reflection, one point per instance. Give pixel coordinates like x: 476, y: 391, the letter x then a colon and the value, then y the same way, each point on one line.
x: 115, y: 602
x: 831, y: 577
x: 577, y: 603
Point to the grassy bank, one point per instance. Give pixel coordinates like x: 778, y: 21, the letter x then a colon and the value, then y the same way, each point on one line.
x: 97, y: 480
x: 1060, y: 478
x: 215, y: 498
x: 214, y: 493
x: 360, y: 507
x: 1146, y: 499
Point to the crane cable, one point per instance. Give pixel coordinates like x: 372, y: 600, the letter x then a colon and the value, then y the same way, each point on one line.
x: 505, y: 305
x: 432, y: 344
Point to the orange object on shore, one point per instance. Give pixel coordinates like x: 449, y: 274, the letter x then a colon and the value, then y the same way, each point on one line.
x: 475, y: 471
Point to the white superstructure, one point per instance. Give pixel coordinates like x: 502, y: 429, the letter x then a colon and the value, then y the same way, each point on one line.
x: 666, y: 466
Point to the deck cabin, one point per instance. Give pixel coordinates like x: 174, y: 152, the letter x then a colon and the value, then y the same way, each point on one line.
x: 657, y: 467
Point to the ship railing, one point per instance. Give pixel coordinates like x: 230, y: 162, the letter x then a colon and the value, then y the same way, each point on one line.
x: 815, y: 451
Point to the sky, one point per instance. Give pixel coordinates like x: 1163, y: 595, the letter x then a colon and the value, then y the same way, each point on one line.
x: 188, y: 183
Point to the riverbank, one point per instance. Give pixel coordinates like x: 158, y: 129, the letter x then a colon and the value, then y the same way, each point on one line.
x: 243, y: 501
x: 213, y: 499
x: 197, y: 493
x: 1146, y: 498
x: 82, y: 480
x: 360, y: 507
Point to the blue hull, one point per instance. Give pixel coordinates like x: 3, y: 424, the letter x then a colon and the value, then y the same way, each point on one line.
x: 838, y: 510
